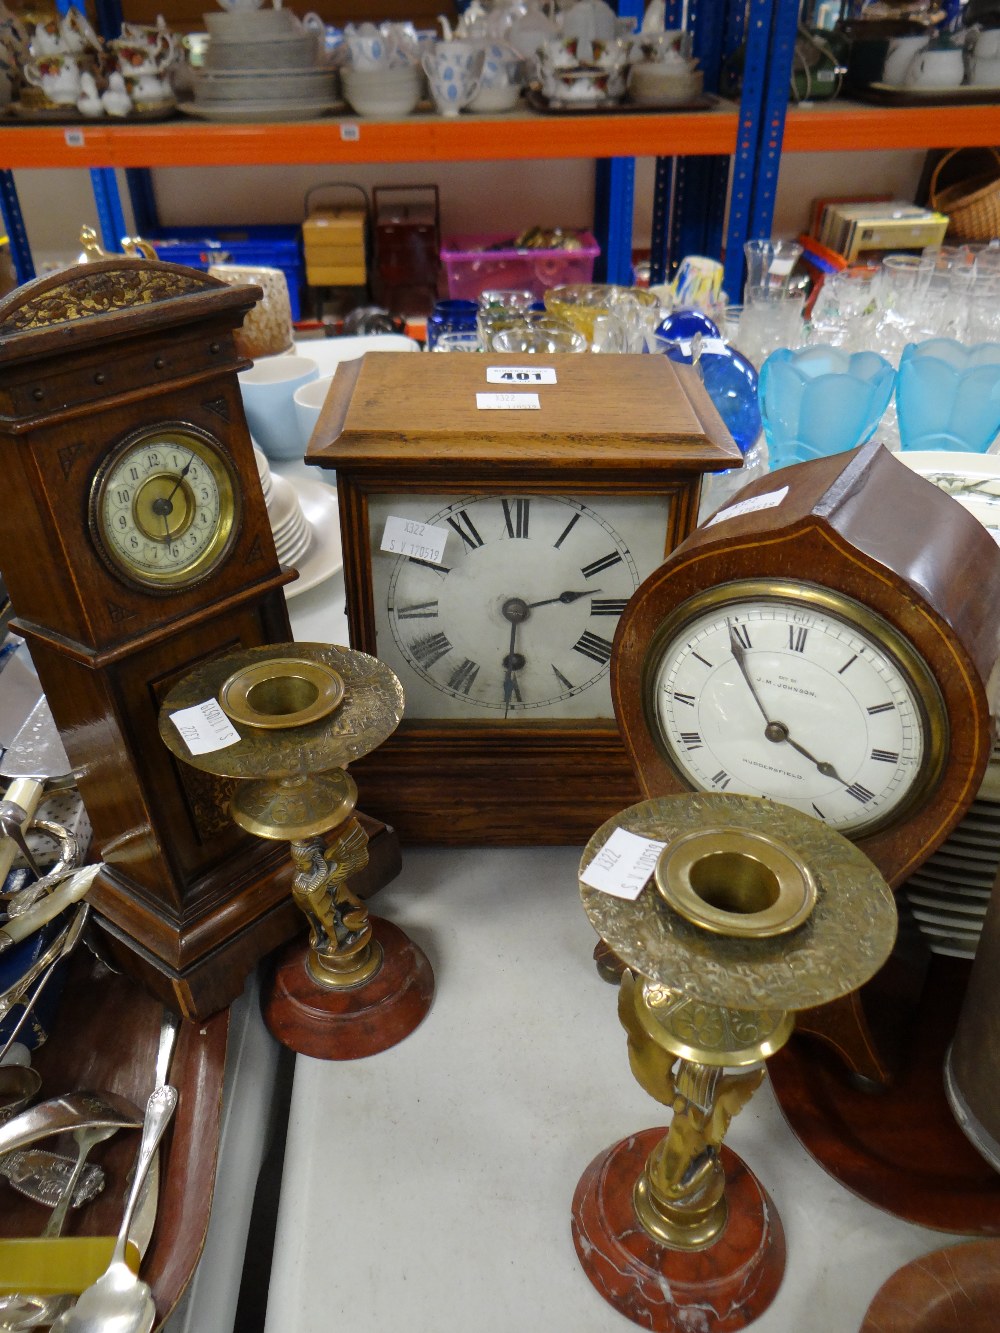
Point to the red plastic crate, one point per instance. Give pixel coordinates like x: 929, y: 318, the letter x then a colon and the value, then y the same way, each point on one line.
x: 472, y: 269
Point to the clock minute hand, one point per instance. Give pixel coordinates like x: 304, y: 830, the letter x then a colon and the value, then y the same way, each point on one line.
x: 564, y: 597
x: 509, y: 684
x: 739, y: 653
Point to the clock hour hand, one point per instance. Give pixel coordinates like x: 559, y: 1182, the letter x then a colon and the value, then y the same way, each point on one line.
x: 564, y: 597
x: 827, y: 769
x: 739, y: 653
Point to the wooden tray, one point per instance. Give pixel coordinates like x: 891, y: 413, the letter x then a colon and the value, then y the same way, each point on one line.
x: 900, y: 1148
x: 106, y: 1037
x: 954, y: 1288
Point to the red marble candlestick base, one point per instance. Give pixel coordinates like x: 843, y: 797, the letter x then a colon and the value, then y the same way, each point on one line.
x: 353, y: 1022
x: 724, y: 1286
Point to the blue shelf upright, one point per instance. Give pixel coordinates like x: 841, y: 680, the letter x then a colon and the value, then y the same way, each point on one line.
x: 770, y: 46
x: 614, y: 189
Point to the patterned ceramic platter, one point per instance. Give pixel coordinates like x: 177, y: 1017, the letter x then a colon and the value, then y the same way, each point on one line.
x: 973, y: 480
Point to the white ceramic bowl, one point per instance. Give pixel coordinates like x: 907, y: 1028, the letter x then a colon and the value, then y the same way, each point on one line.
x: 382, y: 92
x: 246, y: 24
x: 499, y: 97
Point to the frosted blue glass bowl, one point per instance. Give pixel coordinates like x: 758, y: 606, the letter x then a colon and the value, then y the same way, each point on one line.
x: 819, y: 400
x: 948, y: 395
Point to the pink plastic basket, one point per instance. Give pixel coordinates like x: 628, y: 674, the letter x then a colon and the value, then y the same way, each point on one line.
x: 472, y: 269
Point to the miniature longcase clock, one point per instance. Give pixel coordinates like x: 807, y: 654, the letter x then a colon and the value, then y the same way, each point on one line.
x: 498, y: 514
x: 135, y: 545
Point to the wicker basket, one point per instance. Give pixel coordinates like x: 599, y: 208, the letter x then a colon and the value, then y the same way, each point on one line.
x: 972, y: 206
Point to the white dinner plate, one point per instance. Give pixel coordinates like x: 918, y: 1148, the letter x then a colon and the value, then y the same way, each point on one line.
x: 259, y: 112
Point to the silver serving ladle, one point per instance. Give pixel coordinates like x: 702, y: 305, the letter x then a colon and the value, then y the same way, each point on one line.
x: 119, y: 1300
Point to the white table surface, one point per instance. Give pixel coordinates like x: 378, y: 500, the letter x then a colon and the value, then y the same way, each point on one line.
x: 429, y: 1187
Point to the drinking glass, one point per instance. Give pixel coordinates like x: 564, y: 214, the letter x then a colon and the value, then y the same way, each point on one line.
x: 769, y: 267
x: 545, y: 336
x: 457, y: 342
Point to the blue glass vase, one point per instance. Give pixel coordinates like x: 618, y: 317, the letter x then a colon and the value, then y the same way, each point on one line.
x: 948, y: 395
x: 820, y: 400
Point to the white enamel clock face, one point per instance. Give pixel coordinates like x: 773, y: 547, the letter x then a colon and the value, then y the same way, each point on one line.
x: 163, y: 507
x: 517, y: 620
x: 803, y: 696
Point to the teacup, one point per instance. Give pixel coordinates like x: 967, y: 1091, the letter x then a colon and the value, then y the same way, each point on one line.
x: 158, y: 41
x: 454, y: 71
x: 900, y: 56
x: 936, y: 67
x: 57, y: 76
x: 370, y: 47
x: 268, y: 390
x: 138, y: 58
x: 985, y: 71
x: 502, y: 77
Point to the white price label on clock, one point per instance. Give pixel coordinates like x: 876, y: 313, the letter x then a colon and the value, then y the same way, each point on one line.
x: 421, y: 541
x: 757, y: 502
x: 204, y: 727
x: 507, y: 402
x: 520, y: 375
x: 623, y: 865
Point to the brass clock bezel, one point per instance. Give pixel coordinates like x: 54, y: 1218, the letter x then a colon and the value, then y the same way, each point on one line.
x: 213, y: 453
x: 907, y: 660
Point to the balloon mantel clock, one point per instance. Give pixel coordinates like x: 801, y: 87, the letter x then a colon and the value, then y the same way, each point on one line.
x: 827, y: 640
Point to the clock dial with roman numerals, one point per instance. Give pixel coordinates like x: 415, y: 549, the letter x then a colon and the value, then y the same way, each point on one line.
x: 518, y: 618
x: 794, y: 692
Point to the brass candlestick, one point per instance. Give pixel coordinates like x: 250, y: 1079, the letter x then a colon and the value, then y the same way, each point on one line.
x: 302, y: 712
x: 755, y: 911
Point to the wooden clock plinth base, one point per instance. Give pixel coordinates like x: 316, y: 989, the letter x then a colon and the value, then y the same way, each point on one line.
x: 724, y: 1286
x: 899, y: 1148
x: 351, y: 1023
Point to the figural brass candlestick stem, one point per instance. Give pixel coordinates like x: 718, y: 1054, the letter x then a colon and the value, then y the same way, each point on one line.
x: 755, y: 911
x: 300, y: 712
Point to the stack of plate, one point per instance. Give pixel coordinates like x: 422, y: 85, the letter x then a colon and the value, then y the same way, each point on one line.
x: 950, y: 892
x: 261, y: 64
x: 291, y: 531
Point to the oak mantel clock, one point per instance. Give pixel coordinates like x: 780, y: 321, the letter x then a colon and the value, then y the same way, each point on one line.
x: 497, y: 515
x: 828, y: 639
x: 136, y: 544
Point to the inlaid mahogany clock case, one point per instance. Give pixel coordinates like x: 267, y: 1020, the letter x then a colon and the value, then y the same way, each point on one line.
x: 90, y: 357
x: 870, y: 528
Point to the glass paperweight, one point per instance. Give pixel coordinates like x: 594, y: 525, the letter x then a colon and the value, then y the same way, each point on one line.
x: 729, y: 377
x: 820, y: 400
x: 948, y: 395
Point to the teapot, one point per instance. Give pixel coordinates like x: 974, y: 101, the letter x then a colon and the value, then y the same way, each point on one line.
x: 57, y: 76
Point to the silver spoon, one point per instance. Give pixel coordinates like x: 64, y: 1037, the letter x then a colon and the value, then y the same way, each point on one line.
x: 119, y: 1299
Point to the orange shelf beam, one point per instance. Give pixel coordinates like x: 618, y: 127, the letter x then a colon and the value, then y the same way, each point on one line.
x: 185, y: 143
x: 853, y: 127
